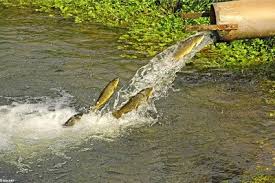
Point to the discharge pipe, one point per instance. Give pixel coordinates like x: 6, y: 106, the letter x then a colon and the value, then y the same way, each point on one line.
x: 240, y: 19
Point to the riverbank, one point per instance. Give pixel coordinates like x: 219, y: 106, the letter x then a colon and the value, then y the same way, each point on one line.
x: 151, y: 26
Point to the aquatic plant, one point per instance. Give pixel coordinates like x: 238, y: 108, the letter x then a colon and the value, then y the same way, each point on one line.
x: 241, y: 54
x: 262, y: 179
x: 153, y: 25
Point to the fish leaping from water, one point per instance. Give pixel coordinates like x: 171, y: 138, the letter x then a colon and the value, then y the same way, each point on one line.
x: 134, y: 102
x: 106, y: 94
x: 72, y: 120
x: 103, y: 98
x: 188, y: 46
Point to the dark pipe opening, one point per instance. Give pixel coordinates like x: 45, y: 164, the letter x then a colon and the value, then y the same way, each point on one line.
x: 212, y: 15
x: 213, y: 21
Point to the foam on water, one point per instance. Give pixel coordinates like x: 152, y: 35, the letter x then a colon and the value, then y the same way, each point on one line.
x: 32, y: 126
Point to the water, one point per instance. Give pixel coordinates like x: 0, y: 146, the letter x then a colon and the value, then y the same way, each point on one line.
x: 207, y: 128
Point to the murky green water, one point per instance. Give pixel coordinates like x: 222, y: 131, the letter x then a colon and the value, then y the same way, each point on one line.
x: 210, y: 128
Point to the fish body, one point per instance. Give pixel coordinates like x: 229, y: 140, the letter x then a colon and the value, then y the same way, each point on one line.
x: 106, y: 94
x: 72, y: 120
x: 188, y: 46
x: 134, y: 102
x: 103, y: 98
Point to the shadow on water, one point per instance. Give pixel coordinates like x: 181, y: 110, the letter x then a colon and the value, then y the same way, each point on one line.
x: 211, y: 127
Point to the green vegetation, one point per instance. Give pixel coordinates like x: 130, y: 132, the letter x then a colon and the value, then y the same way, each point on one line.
x: 262, y: 179
x: 153, y: 25
x: 242, y: 54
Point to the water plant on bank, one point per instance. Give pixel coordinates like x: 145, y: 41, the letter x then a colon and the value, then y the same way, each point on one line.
x: 153, y: 25
x: 255, y: 53
x: 262, y: 179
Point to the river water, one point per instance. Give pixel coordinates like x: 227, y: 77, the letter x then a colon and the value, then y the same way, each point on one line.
x: 210, y: 127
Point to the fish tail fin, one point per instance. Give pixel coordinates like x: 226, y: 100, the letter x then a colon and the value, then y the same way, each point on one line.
x: 116, y: 114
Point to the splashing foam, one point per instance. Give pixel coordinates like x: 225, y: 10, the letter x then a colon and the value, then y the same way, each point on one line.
x: 161, y: 71
x: 30, y: 130
x: 34, y: 126
x: 30, y: 124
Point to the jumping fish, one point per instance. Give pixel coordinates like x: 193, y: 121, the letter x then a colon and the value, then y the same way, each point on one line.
x: 134, y: 102
x: 72, y: 120
x: 188, y: 46
x: 106, y: 94
x: 103, y: 98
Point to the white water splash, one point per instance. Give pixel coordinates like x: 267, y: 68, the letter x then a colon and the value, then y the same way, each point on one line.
x: 33, y: 130
x: 161, y: 71
x: 35, y: 127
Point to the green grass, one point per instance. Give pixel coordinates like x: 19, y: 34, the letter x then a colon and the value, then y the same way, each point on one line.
x: 262, y: 179
x: 151, y: 27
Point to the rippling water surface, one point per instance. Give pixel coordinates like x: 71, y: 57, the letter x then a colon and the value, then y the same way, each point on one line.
x: 205, y: 131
